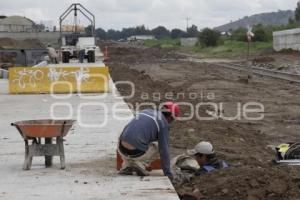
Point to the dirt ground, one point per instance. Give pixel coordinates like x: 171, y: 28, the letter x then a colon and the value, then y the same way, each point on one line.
x: 243, y: 143
x: 285, y: 62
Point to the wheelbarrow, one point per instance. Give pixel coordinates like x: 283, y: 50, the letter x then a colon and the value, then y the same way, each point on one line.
x: 35, y: 130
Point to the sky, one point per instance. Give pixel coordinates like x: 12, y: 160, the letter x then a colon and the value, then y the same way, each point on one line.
x: 117, y: 14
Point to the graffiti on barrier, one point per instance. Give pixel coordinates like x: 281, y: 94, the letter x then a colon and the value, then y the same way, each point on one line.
x: 33, y: 76
x: 58, y: 79
x: 81, y: 75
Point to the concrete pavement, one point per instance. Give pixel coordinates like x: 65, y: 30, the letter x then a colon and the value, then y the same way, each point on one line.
x: 90, y: 151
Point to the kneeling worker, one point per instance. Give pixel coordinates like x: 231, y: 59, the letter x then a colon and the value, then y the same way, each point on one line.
x: 196, y: 162
x: 146, y: 136
x: 205, y: 156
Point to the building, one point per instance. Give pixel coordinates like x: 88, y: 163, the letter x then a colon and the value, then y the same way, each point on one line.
x: 188, y: 42
x: 140, y: 37
x: 16, y: 24
x: 287, y: 39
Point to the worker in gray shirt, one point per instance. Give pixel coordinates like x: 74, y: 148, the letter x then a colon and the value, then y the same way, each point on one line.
x: 145, y: 138
x: 52, y: 54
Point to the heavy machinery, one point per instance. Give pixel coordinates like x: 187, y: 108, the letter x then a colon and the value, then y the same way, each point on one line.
x: 75, y: 42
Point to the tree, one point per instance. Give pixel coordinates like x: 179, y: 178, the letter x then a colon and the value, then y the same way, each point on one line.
x: 260, y: 33
x: 160, y: 32
x: 127, y: 32
x: 291, y: 21
x: 39, y: 27
x: 240, y: 34
x: 177, y: 33
x: 113, y: 34
x: 141, y: 30
x: 88, y: 30
x: 192, y: 31
x: 101, y: 33
x: 297, y: 12
x: 209, y: 37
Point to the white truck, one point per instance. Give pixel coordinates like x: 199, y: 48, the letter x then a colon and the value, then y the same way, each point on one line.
x: 77, y: 43
x: 85, y: 48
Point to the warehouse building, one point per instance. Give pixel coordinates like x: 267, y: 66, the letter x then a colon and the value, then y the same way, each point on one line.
x: 16, y: 24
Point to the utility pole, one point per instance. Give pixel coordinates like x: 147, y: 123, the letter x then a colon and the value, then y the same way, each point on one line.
x: 249, y: 35
x: 187, y: 23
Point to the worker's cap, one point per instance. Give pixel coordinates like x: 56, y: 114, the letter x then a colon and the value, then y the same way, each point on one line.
x: 172, y: 108
x: 205, y: 148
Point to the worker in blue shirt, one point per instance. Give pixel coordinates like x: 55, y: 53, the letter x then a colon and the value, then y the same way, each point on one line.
x: 147, y: 137
x: 196, y: 162
x: 205, y: 156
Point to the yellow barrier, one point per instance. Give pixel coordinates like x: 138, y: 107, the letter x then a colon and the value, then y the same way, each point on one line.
x: 28, y: 80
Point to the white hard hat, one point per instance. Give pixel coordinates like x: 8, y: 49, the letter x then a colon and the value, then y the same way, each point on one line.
x: 205, y: 148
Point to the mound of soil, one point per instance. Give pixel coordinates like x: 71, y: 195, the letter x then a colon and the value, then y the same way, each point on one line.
x: 263, y: 60
x: 9, y: 43
x: 6, y: 43
x: 137, y: 54
x: 32, y: 43
x: 251, y: 183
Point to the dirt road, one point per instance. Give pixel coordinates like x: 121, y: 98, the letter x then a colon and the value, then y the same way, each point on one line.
x: 242, y: 142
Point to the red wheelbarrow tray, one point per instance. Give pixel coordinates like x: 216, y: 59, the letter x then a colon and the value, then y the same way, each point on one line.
x: 43, y: 128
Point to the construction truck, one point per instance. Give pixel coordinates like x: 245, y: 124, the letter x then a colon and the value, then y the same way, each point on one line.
x: 75, y: 42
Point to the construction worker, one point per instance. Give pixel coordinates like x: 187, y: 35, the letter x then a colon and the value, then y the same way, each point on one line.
x: 52, y: 54
x: 147, y: 137
x: 195, y: 162
x: 205, y: 156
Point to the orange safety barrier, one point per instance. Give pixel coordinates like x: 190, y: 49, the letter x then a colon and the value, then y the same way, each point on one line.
x: 155, y: 165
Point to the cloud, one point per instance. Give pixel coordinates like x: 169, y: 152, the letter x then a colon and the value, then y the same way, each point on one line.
x: 128, y: 13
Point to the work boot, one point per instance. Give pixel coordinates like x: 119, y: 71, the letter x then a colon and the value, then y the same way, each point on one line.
x: 126, y: 171
x: 139, y: 169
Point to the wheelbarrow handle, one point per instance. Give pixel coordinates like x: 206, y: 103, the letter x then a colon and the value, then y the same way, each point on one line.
x: 20, y: 131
